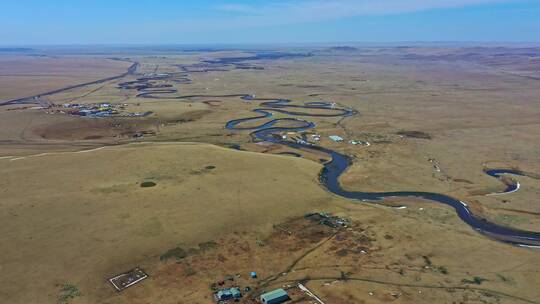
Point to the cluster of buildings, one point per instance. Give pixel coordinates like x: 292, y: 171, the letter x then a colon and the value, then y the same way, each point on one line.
x: 100, y: 110
x: 329, y: 220
x: 277, y: 296
x: 302, y: 138
x: 353, y: 142
x: 92, y: 110
x: 234, y: 293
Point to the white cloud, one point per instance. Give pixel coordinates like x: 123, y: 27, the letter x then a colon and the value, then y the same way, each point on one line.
x: 315, y: 10
x: 236, y: 8
x: 285, y: 12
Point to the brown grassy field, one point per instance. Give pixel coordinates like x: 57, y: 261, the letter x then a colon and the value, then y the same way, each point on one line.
x: 23, y: 76
x: 80, y: 217
x: 88, y: 218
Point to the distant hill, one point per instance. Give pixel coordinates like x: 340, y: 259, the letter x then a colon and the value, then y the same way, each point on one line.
x: 15, y: 50
x: 343, y: 48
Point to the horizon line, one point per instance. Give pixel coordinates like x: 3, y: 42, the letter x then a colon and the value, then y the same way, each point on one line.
x: 150, y: 44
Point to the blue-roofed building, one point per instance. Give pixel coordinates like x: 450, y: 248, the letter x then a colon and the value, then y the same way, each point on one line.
x: 275, y: 297
x: 228, y: 294
x: 336, y: 138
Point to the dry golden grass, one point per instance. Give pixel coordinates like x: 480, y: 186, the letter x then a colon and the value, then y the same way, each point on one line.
x: 23, y: 76
x: 81, y: 217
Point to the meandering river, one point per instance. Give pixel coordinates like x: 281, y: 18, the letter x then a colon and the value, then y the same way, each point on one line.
x: 270, y: 131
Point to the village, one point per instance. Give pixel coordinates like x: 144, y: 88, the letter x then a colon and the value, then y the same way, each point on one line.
x: 307, y: 138
x: 97, y: 110
x: 249, y: 287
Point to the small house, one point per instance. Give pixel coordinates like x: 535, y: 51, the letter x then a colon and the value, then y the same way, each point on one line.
x: 275, y: 297
x: 228, y: 294
x: 336, y: 138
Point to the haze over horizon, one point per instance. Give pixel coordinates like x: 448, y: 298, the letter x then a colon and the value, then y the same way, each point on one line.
x: 256, y: 22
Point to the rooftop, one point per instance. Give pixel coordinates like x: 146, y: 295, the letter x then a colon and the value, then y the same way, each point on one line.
x: 274, y: 294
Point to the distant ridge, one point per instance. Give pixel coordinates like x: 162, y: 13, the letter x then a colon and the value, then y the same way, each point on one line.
x: 343, y: 48
x: 15, y: 50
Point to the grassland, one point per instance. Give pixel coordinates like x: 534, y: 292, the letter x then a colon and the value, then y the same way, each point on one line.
x: 74, y: 212
x: 28, y: 75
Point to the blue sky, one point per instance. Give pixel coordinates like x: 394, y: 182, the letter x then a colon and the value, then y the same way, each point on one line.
x: 34, y: 22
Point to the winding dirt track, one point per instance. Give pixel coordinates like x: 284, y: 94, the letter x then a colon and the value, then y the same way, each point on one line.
x: 30, y: 99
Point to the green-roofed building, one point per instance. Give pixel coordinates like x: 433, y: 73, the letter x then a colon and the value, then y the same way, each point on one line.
x: 275, y: 297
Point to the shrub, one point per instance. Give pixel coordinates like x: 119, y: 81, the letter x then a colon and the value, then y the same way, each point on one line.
x: 67, y: 293
x: 177, y: 253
